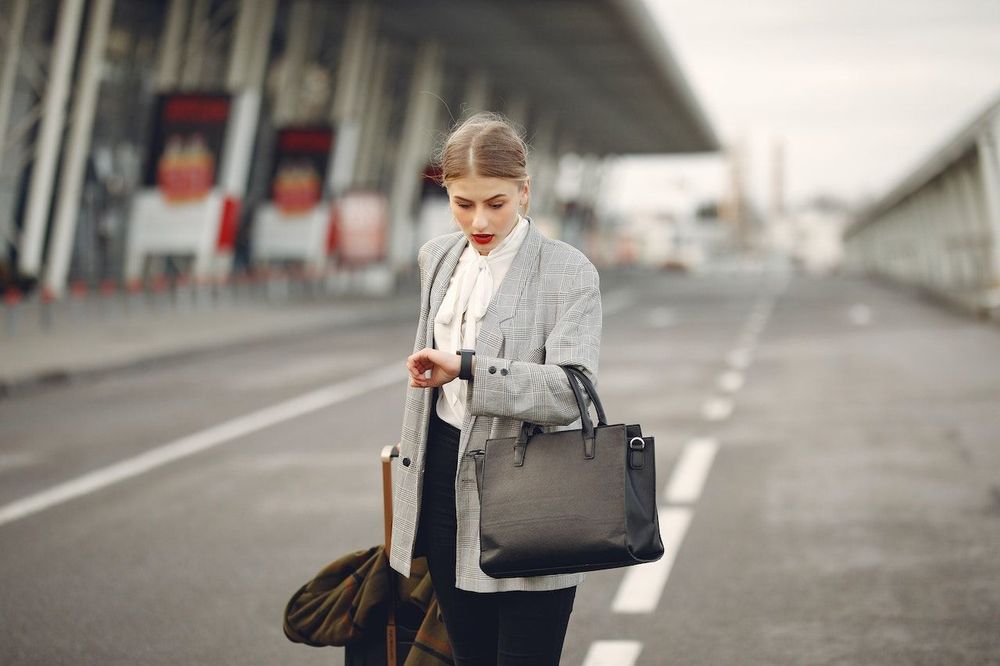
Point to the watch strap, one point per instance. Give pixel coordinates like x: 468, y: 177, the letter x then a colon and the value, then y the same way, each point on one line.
x: 465, y: 369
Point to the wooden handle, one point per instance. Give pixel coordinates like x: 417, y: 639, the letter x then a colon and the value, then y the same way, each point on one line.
x: 388, y: 453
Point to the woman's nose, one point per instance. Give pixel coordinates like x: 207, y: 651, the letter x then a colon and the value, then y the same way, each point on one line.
x: 479, y: 223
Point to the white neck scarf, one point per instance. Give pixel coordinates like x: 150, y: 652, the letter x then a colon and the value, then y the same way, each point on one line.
x: 469, y: 293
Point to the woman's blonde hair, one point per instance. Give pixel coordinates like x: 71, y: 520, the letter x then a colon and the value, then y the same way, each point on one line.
x: 487, y: 145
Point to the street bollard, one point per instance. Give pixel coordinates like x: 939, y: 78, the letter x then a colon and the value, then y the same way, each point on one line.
x: 201, y: 290
x: 46, y: 298
x: 158, y: 293
x: 182, y: 295
x: 107, y: 290
x: 78, y: 300
x: 11, y: 301
x: 133, y: 296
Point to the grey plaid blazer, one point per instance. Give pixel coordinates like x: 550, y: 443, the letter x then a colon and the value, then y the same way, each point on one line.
x: 547, y: 312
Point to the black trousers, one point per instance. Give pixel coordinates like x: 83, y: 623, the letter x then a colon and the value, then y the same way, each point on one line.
x: 491, y: 628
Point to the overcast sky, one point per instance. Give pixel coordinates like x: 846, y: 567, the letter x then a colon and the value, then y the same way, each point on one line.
x: 861, y: 91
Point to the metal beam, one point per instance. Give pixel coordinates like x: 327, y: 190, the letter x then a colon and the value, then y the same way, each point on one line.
x: 414, y: 147
x: 168, y: 66
x: 53, y: 121
x: 988, y: 145
x: 75, y: 162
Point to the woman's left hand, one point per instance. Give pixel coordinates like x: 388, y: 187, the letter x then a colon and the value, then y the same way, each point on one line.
x: 444, y: 367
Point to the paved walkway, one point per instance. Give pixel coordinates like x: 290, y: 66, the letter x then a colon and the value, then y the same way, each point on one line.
x: 74, y: 339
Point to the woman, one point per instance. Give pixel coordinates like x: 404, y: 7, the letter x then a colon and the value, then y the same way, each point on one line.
x: 502, y: 307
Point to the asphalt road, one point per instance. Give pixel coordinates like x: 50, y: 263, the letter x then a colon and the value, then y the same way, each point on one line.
x: 840, y: 499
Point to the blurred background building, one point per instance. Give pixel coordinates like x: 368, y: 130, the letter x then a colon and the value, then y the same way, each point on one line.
x: 203, y: 138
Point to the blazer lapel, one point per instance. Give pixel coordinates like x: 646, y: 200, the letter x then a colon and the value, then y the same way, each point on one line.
x: 503, y: 304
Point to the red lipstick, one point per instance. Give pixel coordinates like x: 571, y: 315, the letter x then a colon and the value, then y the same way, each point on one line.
x: 482, y: 239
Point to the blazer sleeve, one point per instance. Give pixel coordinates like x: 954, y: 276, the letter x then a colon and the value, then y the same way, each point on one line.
x: 540, y: 392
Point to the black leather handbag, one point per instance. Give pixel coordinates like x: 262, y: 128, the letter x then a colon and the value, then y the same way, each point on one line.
x: 568, y: 501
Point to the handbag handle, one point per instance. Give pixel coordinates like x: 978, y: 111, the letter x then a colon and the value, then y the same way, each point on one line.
x: 588, y: 425
x: 602, y: 418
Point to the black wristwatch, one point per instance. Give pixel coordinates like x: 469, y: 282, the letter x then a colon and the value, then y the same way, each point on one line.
x: 465, y: 369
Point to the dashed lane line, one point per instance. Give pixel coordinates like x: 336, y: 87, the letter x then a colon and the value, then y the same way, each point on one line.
x: 691, y: 470
x: 730, y: 381
x: 612, y: 653
x: 643, y: 584
x: 717, y: 409
x: 739, y: 358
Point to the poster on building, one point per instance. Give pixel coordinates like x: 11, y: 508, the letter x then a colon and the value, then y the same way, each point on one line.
x: 362, y: 224
x: 188, y: 135
x: 300, y: 163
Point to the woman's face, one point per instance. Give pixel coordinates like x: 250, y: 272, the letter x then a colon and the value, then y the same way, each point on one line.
x: 486, y: 208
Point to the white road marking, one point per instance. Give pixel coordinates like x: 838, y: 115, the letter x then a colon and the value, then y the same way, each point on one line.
x: 688, y: 477
x: 860, y: 315
x: 643, y: 584
x: 612, y: 653
x: 730, y: 381
x: 717, y: 409
x: 204, y: 440
x: 739, y: 358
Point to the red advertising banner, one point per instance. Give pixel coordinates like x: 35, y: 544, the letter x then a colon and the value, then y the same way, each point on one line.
x: 300, y: 164
x: 189, y: 132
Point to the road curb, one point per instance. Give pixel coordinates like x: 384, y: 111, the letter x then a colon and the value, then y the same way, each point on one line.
x: 394, y: 310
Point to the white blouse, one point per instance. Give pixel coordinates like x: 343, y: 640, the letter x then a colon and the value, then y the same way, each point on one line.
x: 457, y: 322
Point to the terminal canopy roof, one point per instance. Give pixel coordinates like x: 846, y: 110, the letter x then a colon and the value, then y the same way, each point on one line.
x: 602, y: 66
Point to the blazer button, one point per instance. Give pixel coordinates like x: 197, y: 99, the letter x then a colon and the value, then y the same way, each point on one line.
x: 493, y: 369
x: 406, y: 462
x: 503, y: 371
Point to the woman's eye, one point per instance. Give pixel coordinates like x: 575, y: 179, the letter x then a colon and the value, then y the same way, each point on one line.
x: 499, y: 205
x: 462, y: 205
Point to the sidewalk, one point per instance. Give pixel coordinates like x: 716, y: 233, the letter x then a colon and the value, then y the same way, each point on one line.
x: 41, y: 345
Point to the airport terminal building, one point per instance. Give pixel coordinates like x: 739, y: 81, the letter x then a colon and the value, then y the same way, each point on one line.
x: 207, y: 137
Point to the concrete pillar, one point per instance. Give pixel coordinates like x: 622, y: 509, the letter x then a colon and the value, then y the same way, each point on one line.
x: 940, y: 216
x: 516, y: 108
x: 369, y: 163
x: 971, y: 191
x: 11, y: 56
x: 199, y: 23
x: 988, y: 146
x: 477, y: 93
x: 293, y: 62
x: 414, y: 149
x: 243, y: 47
x: 49, y: 133
x: 965, y: 230
x: 247, y: 60
x: 590, y: 179
x: 542, y: 164
x: 921, y: 202
x: 350, y: 96
x: 168, y: 67
x: 75, y: 161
